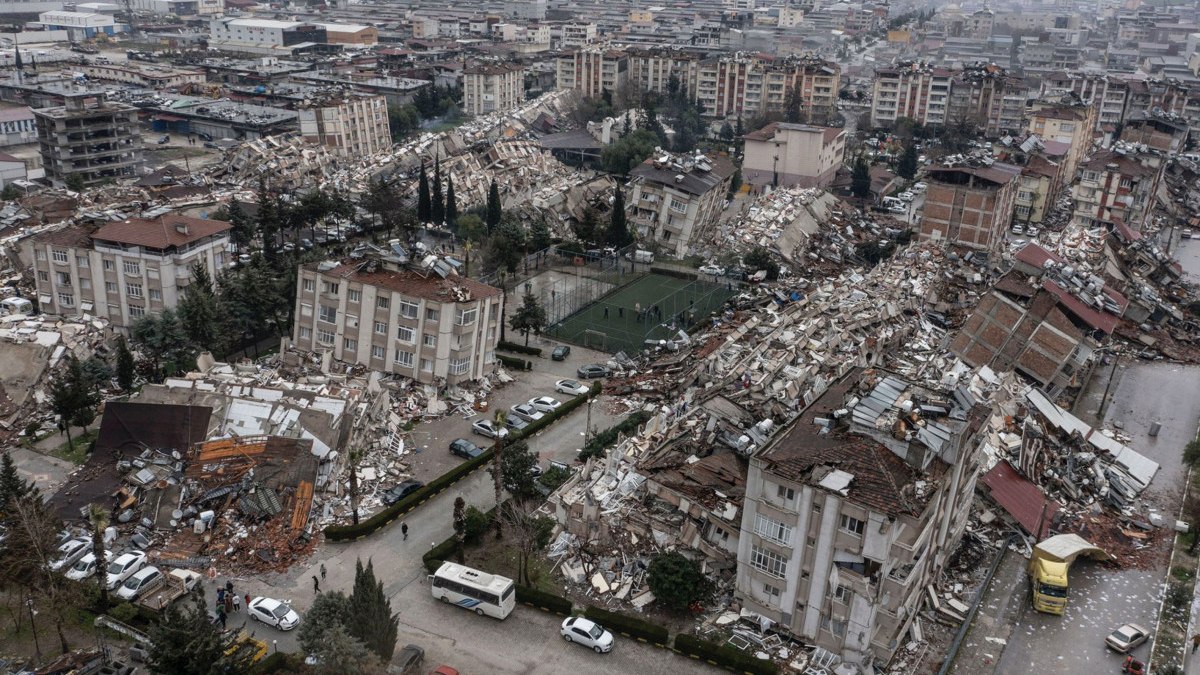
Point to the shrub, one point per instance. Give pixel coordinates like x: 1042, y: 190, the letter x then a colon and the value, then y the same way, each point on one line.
x: 1178, y: 596
x: 548, y: 601
x: 514, y: 363
x: 723, y: 656
x: 477, y: 523
x: 554, y: 477
x: 630, y: 626
x: 124, y: 612
x: 602, y: 440
x: 437, y: 555
x: 519, y: 348
x: 279, y: 662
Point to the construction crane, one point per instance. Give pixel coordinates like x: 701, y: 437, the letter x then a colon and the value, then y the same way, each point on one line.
x: 129, y: 16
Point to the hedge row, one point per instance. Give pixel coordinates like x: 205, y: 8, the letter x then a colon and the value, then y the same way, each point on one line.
x: 547, y: 601
x: 610, y: 435
x: 439, y: 554
x: 519, y: 348
x: 629, y: 626
x: 457, y: 473
x: 723, y: 655
x: 514, y: 363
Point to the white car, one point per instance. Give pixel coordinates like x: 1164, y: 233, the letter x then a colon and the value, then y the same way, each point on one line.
x: 1018, y: 229
x: 907, y: 196
x: 572, y: 387
x: 124, y: 567
x: 587, y: 633
x: 919, y: 187
x: 85, y: 567
x: 70, y: 552
x: 139, y: 583
x: 544, y: 403
x: 489, y: 429
x: 273, y: 613
x: 526, y: 412
x: 712, y: 270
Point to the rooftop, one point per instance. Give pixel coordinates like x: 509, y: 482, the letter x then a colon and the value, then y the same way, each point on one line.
x: 672, y: 170
x: 410, y: 282
x: 161, y: 233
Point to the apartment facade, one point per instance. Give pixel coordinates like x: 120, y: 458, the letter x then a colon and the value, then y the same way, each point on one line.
x: 1067, y: 120
x: 970, y: 205
x: 913, y: 90
x: 89, y: 137
x: 743, y: 85
x: 783, y: 154
x: 854, y: 509
x: 489, y: 87
x: 17, y: 125
x: 126, y: 270
x: 394, y: 317
x: 577, y: 34
x: 675, y: 197
x: 1119, y: 184
x: 350, y: 125
x: 652, y: 70
x: 593, y: 70
x: 989, y: 98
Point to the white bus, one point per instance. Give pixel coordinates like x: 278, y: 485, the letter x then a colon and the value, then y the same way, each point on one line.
x: 489, y: 594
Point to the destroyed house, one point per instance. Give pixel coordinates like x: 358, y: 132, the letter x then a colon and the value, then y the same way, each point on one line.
x: 677, y: 197
x: 854, y: 509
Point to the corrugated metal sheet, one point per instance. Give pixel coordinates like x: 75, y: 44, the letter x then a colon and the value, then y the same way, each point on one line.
x: 1023, y: 500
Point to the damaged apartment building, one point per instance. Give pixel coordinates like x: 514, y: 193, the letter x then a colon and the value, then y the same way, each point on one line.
x: 853, y: 510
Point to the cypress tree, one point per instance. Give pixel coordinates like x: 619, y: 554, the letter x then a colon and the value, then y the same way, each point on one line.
x: 494, y: 212
x: 424, y: 211
x: 370, y: 618
x: 451, y: 202
x: 618, y: 228
x: 438, y: 205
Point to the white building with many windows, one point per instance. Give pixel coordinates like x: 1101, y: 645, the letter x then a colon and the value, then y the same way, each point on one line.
x: 422, y: 321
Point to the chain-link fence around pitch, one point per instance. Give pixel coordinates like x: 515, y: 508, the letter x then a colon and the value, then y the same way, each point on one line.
x: 650, y: 307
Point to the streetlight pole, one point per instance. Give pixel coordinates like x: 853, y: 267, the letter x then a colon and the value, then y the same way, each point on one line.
x: 587, y: 429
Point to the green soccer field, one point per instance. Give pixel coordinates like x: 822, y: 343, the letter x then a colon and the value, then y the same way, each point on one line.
x: 613, y: 323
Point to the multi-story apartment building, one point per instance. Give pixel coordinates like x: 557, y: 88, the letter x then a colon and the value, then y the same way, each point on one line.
x: 674, y: 198
x: 1109, y: 94
x: 1041, y: 180
x: 577, y: 34
x: 124, y: 270
x: 1119, y: 184
x: 743, y: 85
x: 381, y: 311
x: 989, y: 98
x: 783, y: 154
x: 593, y: 70
x: 489, y: 87
x: 1065, y: 120
x: 910, y: 89
x: 970, y: 204
x: 854, y: 509
x: 652, y: 69
x: 348, y: 125
x: 89, y: 137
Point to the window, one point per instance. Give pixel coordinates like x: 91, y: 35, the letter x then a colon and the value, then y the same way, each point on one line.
x: 431, y: 315
x: 852, y: 525
x: 330, y: 288
x: 136, y: 312
x: 1066, y: 126
x: 1090, y: 176
x: 404, y: 359
x: 41, y: 255
x: 64, y: 278
x: 678, y: 206
x: 155, y: 294
x: 408, y: 310
x: 325, y: 337
x: 771, y: 591
x: 111, y: 287
x: 310, y: 286
x: 768, y: 561
x: 349, y: 344
x: 381, y: 327
x: 786, y: 493
x: 843, y: 594
x: 355, y: 296
x: 1022, y: 211
x: 43, y: 276
x: 426, y: 365
x: 405, y: 334
x: 429, y: 340
x: 378, y: 352
x: 327, y: 314
x: 305, y: 333
x: 382, y: 303
x: 133, y: 290
x: 305, y: 309
x: 773, y: 530
x: 459, y: 366
x: 59, y: 256
x: 108, y: 266
x: 1025, y: 196
x: 81, y: 261
x: 66, y: 300
x: 466, y: 317
x: 132, y: 267
x: 1126, y: 183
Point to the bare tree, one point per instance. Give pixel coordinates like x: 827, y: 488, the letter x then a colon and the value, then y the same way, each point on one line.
x: 460, y: 526
x: 355, y: 456
x: 98, y: 517
x: 527, y: 534
x: 498, y: 462
x: 32, y: 547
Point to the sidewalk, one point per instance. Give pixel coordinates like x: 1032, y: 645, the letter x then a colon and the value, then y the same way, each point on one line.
x: 999, y: 611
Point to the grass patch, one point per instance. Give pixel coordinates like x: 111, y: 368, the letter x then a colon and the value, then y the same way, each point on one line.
x: 75, y: 450
x: 1182, y: 573
x: 498, y: 558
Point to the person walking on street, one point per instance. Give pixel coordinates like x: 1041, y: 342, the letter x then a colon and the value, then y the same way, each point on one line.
x: 404, y: 530
x: 322, y: 571
x: 316, y: 585
x: 221, y: 617
x: 1195, y: 642
x: 237, y: 602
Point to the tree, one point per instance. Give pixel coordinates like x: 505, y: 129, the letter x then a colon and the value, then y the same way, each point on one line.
x: 380, y: 200
x: 163, y: 341
x: 907, y: 166
x: 727, y: 132
x: 98, y: 519
x: 451, y: 201
x: 1191, y: 453
x: 494, y: 209
x: 96, y: 373
x: 437, y: 206
x: 735, y: 181
x: 539, y: 235
x: 371, y: 618
x: 187, y: 642
x: 498, y: 462
x: 337, y: 652
x: 618, y: 229
x: 10, y: 193
x: 424, y: 204
x: 241, y: 231
x: 31, y: 546
x: 793, y: 110
x: 527, y: 534
x: 124, y: 364
x: 471, y: 228
x: 267, y: 219
x: 12, y: 486
x: 530, y: 317
x: 677, y: 581
x: 587, y: 227
x: 74, y: 182
x: 71, y: 398
x: 517, y: 470
x: 507, y: 244
x: 860, y: 178
x: 761, y: 259
x: 329, y: 609
x: 629, y: 151
x: 460, y: 526
x: 200, y: 311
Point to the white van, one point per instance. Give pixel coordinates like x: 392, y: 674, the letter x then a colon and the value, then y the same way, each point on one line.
x: 10, y: 306
x: 641, y: 256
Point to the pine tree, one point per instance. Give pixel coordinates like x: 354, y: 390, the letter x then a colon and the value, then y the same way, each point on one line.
x: 71, y: 397
x: 267, y: 220
x: 12, y: 486
x: 371, y: 619
x: 424, y: 212
x: 530, y: 317
x: 241, y: 231
x: 618, y: 228
x: 860, y: 178
x: 451, y: 202
x: 494, y: 210
x: 460, y: 526
x: 907, y: 166
x: 200, y: 311
x: 125, y: 370
x: 438, y: 204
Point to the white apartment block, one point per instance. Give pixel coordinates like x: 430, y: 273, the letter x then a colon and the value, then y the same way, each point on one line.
x: 593, y: 70
x: 492, y: 87
x: 910, y: 90
x: 675, y: 198
x: 577, y: 34
x: 785, y: 155
x: 847, y: 521
x: 353, y: 126
x: 398, y: 318
x: 125, y: 270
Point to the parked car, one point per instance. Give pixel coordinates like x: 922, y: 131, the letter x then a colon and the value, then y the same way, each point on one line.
x: 1187, y: 233
x: 409, y: 660
x: 400, y: 491
x: 1018, y: 229
x: 1033, y: 230
x: 141, y: 582
x: 919, y: 187
x: 587, y: 633
x: 572, y: 387
x: 465, y: 449
x: 85, y: 567
x: 515, y: 424
x: 123, y: 567
x: 593, y: 370
x: 526, y: 412
x: 273, y: 613
x: 906, y: 196
x: 712, y: 270
x: 544, y: 404
x: 164, y: 140
x: 489, y: 429
x: 1126, y: 638
x: 306, y: 244
x: 70, y: 552
x: 560, y: 353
